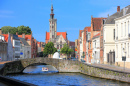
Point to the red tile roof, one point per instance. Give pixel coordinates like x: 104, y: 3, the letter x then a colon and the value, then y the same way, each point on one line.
x: 96, y: 35
x: 6, y: 37
x: 80, y: 33
x: 88, y: 29
x: 58, y: 33
x: 38, y: 42
x: 96, y: 22
x: 26, y: 37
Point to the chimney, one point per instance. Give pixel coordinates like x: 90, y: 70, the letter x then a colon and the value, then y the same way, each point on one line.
x: 0, y: 32
x: 16, y: 33
x: 118, y: 8
x: 23, y: 35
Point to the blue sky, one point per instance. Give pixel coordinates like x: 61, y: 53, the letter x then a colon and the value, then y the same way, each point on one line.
x: 71, y: 15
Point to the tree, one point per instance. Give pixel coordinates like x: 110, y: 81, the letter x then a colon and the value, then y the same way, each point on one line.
x: 66, y: 50
x: 9, y: 29
x: 13, y: 30
x: 24, y: 29
x: 49, y: 49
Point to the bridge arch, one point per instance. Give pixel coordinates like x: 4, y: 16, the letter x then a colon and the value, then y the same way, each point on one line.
x: 39, y: 64
x: 60, y: 64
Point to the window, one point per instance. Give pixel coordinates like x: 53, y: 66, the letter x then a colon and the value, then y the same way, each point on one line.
x: 128, y: 27
x: 17, y: 43
x: 117, y: 50
x: 17, y: 49
x: 95, y: 44
x: 121, y: 50
x: 121, y: 29
x: 52, y: 36
x: 57, y: 46
x: 60, y: 46
x: 117, y: 30
x: 128, y: 50
x: 113, y: 33
x: 88, y: 36
x: 90, y: 45
x: 125, y: 29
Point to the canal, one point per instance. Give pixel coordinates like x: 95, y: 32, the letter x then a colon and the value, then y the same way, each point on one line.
x: 35, y: 75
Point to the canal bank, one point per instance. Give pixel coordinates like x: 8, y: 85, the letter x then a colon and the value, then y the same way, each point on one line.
x: 59, y: 79
x: 106, y: 73
x: 69, y: 66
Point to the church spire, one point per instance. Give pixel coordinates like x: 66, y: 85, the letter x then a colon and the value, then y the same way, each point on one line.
x: 52, y: 14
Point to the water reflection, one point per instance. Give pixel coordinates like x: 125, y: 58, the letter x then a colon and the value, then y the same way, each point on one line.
x: 38, y: 69
x: 58, y: 79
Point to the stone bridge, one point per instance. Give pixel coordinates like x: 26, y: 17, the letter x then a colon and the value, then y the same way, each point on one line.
x: 66, y: 66
x: 60, y: 64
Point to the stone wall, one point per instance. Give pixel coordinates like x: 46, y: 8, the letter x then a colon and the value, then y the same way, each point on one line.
x: 105, y: 73
x: 66, y: 66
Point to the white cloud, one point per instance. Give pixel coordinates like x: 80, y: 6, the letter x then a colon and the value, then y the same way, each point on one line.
x: 110, y: 11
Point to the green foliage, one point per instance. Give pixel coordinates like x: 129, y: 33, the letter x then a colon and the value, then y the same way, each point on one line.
x: 49, y: 48
x: 23, y: 29
x: 13, y: 30
x: 40, y: 54
x: 66, y: 50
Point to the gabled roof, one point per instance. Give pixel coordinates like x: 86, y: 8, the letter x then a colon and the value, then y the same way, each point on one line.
x: 6, y: 37
x: 58, y: 33
x: 88, y: 29
x: 38, y: 42
x: 24, y: 41
x: 26, y: 37
x: 125, y: 10
x: 96, y: 22
x: 80, y: 33
x: 15, y: 37
x: 110, y: 19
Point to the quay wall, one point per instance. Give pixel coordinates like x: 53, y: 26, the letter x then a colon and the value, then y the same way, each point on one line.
x: 66, y: 66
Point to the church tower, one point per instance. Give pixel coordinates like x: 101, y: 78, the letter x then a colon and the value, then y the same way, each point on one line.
x: 53, y: 26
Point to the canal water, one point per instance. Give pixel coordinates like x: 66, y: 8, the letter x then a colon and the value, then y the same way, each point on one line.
x: 35, y: 75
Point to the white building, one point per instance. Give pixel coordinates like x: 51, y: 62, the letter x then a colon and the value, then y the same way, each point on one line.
x: 81, y: 45
x: 122, y: 41
x: 96, y: 49
x: 16, y: 46
x: 25, y: 49
x: 109, y: 38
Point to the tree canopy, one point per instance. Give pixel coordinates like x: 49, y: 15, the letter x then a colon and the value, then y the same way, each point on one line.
x: 13, y: 30
x: 66, y: 49
x: 49, y: 48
